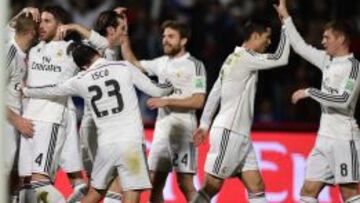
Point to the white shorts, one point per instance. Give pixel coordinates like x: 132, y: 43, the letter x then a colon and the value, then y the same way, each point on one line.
x: 128, y: 158
x: 172, y: 147
x: 230, y: 154
x: 71, y: 158
x: 334, y: 161
x: 25, y: 156
x: 88, y: 138
x: 47, y: 144
x: 11, y: 145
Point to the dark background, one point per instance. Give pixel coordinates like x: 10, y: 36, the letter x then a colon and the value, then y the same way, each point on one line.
x: 216, y: 30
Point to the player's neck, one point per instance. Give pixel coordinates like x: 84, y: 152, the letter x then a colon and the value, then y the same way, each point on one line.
x: 22, y: 42
x: 179, y: 54
x: 248, y: 45
x: 342, y: 51
x: 93, y: 60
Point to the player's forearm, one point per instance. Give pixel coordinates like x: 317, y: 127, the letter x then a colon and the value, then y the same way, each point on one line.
x: 211, y: 105
x: 128, y: 54
x: 83, y: 31
x: 305, y: 50
x: 193, y: 102
x: 281, y: 55
x: 330, y: 100
x: 98, y: 41
x: 45, y: 92
x: 12, y: 117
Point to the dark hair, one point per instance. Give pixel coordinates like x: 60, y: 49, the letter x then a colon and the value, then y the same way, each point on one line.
x: 107, y: 19
x: 82, y: 54
x: 59, y: 13
x: 251, y: 27
x: 341, y: 27
x: 25, y: 23
x: 182, y: 28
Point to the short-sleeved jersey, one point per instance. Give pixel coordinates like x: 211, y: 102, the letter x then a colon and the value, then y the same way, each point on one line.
x: 48, y: 64
x: 235, y: 87
x: 108, y: 87
x: 339, y: 89
x: 15, y: 70
x: 187, y: 75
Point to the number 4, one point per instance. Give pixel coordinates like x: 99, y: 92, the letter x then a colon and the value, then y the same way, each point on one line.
x: 38, y: 159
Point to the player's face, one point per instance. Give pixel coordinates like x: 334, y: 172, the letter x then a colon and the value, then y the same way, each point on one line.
x: 120, y: 30
x: 263, y: 41
x: 48, y: 26
x: 172, y: 42
x: 331, y: 41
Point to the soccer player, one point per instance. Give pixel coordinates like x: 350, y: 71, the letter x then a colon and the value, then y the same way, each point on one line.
x: 172, y: 147
x: 231, y: 152
x: 25, y: 28
x: 112, y: 26
x: 48, y: 64
x: 25, y: 35
x: 109, y: 88
x: 334, y: 159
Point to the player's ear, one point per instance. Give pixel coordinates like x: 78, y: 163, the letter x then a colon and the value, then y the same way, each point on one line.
x: 254, y: 36
x: 341, y: 39
x: 110, y: 30
x: 183, y: 41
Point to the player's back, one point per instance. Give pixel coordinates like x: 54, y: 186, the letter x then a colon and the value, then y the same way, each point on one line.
x: 15, y: 71
x: 238, y: 88
x: 108, y: 89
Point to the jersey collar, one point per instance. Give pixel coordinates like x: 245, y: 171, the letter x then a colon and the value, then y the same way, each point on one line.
x: 185, y: 56
x: 96, y: 63
x: 342, y: 58
x: 239, y: 49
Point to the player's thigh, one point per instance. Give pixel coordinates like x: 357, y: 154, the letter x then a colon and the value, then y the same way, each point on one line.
x: 184, y: 156
x: 71, y: 158
x: 227, y: 151
x: 132, y: 167
x: 159, y: 158
x: 11, y: 137
x: 25, y: 156
x: 346, y: 161
x: 47, y: 143
x: 88, y: 141
x: 319, y: 165
x: 104, y: 166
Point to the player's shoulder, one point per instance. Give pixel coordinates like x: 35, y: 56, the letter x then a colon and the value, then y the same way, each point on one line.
x: 10, y: 48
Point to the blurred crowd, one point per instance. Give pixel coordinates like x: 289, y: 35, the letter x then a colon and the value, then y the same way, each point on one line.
x: 216, y: 30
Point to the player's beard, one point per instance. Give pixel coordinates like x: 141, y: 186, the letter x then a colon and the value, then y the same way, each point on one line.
x: 172, y: 50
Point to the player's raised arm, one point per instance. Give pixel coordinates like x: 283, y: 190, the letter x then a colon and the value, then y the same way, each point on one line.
x: 310, y: 53
x: 277, y: 59
x: 142, y: 82
x: 126, y: 50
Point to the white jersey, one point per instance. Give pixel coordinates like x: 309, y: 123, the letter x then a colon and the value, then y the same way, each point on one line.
x: 187, y: 75
x: 108, y: 88
x: 339, y: 90
x: 48, y: 64
x: 235, y: 87
x: 102, y: 45
x: 15, y: 70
